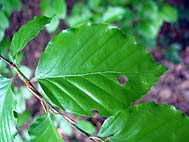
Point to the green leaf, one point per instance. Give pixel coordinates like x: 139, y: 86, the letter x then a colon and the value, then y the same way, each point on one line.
x: 169, y: 13
x: 27, y: 33
x: 63, y: 124
x: 4, y: 24
x: 46, y: 8
x: 80, y: 15
x: 18, y: 138
x: 172, y: 53
x: 23, y: 118
x: 80, y: 68
x: 43, y: 130
x: 7, y: 107
x: 147, y: 123
x: 51, y: 27
x: 148, y: 28
x: 86, y: 126
x: 27, y: 71
x: 10, y: 5
x: 4, y: 44
x: 148, y: 9
x: 113, y: 14
x: 94, y: 4
x: 59, y: 7
x: 2, y: 33
x: 22, y: 94
x: 118, y: 2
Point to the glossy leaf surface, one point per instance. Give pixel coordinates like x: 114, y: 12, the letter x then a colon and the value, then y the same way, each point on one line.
x: 147, y: 123
x: 43, y: 130
x: 7, y: 106
x: 80, y: 69
x: 26, y: 33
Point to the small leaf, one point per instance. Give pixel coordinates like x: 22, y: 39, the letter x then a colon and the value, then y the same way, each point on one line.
x: 43, y: 130
x: 118, y: 2
x: 148, y: 10
x: 2, y: 33
x: 63, y: 124
x: 26, y: 33
x: 86, y: 126
x: 51, y: 27
x: 79, y: 70
x: 94, y: 4
x: 23, y: 118
x: 169, y: 13
x: 46, y: 8
x: 172, y: 53
x: 113, y: 14
x: 59, y: 7
x: 4, y: 44
x: 4, y: 24
x: 22, y: 94
x: 10, y: 5
x: 147, y: 122
x: 27, y: 71
x: 148, y: 28
x: 80, y: 15
x: 7, y: 107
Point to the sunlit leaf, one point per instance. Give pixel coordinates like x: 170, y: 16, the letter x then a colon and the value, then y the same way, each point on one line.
x: 81, y: 68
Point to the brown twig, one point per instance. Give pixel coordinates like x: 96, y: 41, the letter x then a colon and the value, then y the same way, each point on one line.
x: 48, y: 108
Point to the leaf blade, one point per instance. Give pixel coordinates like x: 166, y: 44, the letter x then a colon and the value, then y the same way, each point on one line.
x: 43, y: 129
x: 88, y: 62
x: 145, y: 123
x: 26, y: 33
x: 7, y: 106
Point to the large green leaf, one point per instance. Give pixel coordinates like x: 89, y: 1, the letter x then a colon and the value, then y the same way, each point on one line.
x: 43, y: 130
x: 7, y: 106
x: 79, y: 70
x: 27, y: 33
x: 147, y: 123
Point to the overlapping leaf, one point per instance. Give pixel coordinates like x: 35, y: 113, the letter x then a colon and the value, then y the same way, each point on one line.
x: 27, y: 33
x: 43, y: 130
x: 7, y: 106
x: 80, y: 69
x: 147, y: 123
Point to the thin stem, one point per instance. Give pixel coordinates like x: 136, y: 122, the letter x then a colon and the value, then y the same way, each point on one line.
x: 45, y: 104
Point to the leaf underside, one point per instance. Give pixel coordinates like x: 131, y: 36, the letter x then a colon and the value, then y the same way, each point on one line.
x: 147, y: 123
x: 43, y: 130
x: 79, y: 70
x: 7, y: 106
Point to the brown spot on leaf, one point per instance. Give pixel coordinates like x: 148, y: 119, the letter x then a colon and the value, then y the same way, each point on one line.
x: 122, y: 80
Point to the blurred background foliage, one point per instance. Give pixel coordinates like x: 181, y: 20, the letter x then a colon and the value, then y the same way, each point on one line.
x: 162, y: 26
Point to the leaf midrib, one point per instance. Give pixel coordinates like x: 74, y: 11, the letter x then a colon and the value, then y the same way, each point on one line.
x: 91, y: 73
